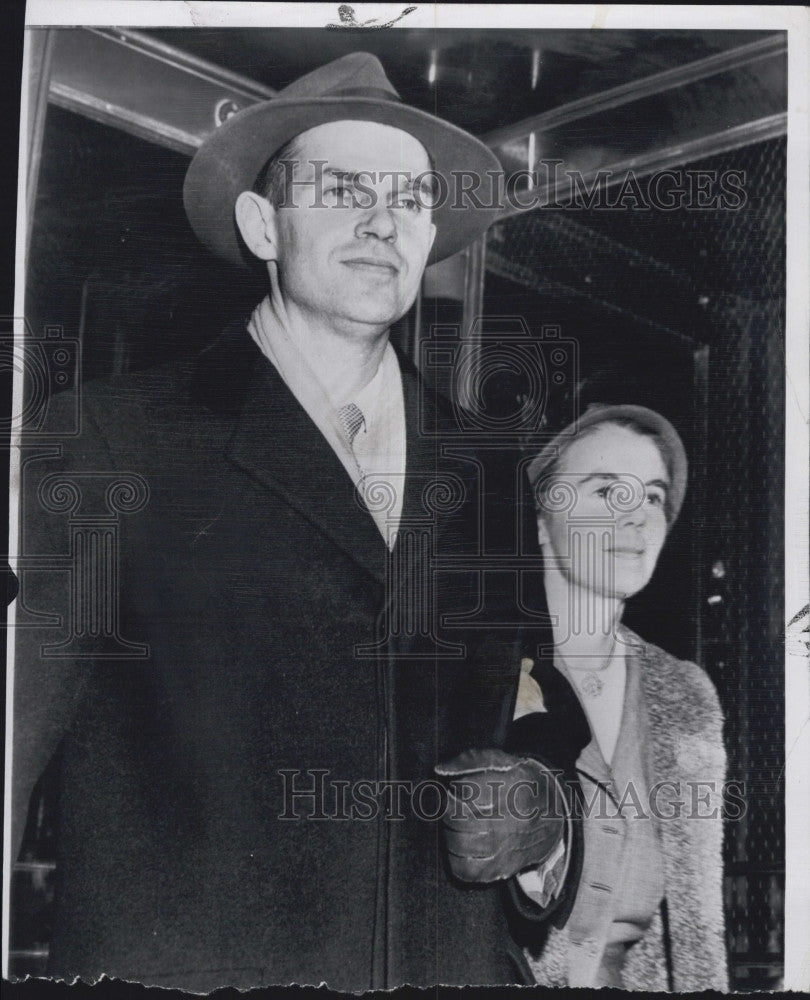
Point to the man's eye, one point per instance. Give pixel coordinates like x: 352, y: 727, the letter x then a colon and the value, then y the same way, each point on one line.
x: 408, y: 202
x: 655, y: 499
x: 339, y: 192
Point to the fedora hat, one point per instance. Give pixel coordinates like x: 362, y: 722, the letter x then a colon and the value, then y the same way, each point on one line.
x: 353, y: 87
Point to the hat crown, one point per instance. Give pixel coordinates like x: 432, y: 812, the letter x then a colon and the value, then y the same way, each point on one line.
x: 351, y: 74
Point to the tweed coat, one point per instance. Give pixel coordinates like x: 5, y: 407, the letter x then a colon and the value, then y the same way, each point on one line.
x: 192, y: 852
x: 684, y: 948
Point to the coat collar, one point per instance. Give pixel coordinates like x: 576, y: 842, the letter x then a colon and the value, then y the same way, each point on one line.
x: 276, y: 442
x: 663, y: 701
x: 692, y: 846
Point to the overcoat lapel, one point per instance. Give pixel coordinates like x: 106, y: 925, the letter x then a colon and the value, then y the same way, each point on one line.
x: 276, y: 442
x: 422, y: 462
x: 409, y: 569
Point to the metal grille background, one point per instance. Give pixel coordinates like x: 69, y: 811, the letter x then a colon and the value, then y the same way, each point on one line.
x: 717, y: 277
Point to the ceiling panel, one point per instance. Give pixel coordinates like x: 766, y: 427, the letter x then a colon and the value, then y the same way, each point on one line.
x: 484, y: 78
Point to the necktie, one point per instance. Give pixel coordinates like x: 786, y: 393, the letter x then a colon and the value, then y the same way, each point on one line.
x: 351, y: 416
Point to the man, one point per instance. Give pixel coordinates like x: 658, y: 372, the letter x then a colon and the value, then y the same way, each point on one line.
x: 219, y: 816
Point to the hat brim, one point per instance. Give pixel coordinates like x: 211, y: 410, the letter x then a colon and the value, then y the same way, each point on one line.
x: 643, y: 416
x: 230, y: 159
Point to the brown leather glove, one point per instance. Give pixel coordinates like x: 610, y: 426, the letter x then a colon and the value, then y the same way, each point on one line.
x: 504, y: 814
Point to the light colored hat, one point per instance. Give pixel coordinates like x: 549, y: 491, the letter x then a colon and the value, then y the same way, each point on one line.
x: 674, y: 453
x: 354, y: 87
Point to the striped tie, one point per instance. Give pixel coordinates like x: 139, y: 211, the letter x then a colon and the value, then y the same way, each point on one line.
x: 351, y: 416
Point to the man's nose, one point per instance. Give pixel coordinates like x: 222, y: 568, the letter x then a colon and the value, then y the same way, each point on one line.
x: 377, y: 221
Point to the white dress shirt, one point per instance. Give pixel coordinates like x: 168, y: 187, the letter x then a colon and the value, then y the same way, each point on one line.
x: 375, y: 459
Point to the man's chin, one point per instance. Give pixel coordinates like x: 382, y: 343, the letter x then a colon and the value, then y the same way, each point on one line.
x: 375, y: 318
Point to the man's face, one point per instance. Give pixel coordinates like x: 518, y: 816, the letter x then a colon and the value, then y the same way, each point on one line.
x: 352, y: 242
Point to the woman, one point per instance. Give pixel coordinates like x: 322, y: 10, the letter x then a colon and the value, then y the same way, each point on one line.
x: 648, y: 908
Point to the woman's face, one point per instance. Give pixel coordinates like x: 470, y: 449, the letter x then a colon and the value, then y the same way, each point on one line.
x: 602, y: 516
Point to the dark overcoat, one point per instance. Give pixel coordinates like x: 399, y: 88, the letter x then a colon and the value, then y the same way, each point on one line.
x: 246, y: 645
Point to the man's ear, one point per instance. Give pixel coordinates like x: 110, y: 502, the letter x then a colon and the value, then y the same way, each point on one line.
x: 256, y: 219
x: 542, y: 531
